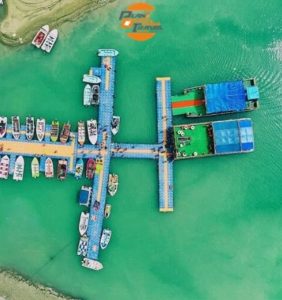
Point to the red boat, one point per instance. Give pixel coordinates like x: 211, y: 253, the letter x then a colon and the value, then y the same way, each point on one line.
x: 40, y: 36
x: 90, y: 168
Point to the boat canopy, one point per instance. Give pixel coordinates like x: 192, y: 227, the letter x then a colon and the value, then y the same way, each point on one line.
x: 233, y: 136
x: 225, y: 96
x: 84, y: 197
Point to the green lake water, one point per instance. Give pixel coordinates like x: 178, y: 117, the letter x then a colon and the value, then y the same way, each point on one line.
x: 224, y: 239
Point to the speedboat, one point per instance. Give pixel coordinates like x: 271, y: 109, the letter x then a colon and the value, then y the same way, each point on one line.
x: 79, y: 169
x: 49, y: 168
x: 3, y: 126
x: 62, y: 169
x: 35, y: 168
x: 40, y: 36
x: 19, y: 169
x: 4, y: 167
x: 107, y: 212
x: 92, y: 131
x: 82, y: 246
x: 95, y: 94
x: 115, y: 124
x: 90, y: 168
x: 40, y: 129
x: 16, y: 127
x: 105, y: 238
x: 29, y: 128
x: 113, y: 184
x: 83, y: 223
x: 50, y: 41
x: 81, y: 133
x: 91, y: 264
x: 87, y: 95
x: 65, y: 133
x: 55, y: 128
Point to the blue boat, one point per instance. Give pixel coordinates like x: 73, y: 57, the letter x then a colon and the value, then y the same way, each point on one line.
x: 79, y: 168
x: 85, y: 195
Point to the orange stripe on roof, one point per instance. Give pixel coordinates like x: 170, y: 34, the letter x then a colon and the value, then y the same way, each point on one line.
x: 187, y: 103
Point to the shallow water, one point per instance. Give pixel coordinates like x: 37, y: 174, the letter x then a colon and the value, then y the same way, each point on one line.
x: 224, y: 239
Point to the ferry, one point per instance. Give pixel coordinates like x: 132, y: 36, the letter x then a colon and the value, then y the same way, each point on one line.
x: 87, y: 95
x: 92, y: 131
x: 85, y: 195
x: 65, y: 133
x: 50, y: 41
x: 79, y: 169
x: 81, y: 133
x: 83, y: 223
x: 82, y: 246
x: 29, y: 121
x: 40, y: 129
x: 95, y: 94
x: 213, y: 138
x: 90, y: 168
x: 35, y: 168
x: 16, y: 127
x: 105, y: 238
x: 107, y: 211
x: 3, y: 126
x: 91, y: 264
x: 19, y: 169
x: 62, y: 169
x: 40, y: 36
x: 4, y: 167
x: 217, y: 99
x: 92, y: 79
x: 113, y: 184
x: 115, y: 125
x: 55, y: 128
x: 49, y: 168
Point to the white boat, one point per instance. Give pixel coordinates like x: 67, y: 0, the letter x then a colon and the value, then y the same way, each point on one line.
x: 92, y: 131
x: 3, y: 126
x: 1, y: 2
x: 40, y: 129
x: 40, y: 36
x: 91, y: 264
x: 35, y: 168
x: 113, y: 184
x: 91, y: 79
x: 105, y: 238
x: 4, y: 167
x: 29, y: 128
x: 50, y: 40
x: 82, y: 246
x: 87, y: 95
x: 83, y: 223
x: 49, y: 168
x: 115, y: 125
x: 107, y: 52
x: 81, y: 133
x: 16, y: 127
x: 79, y: 168
x: 19, y: 169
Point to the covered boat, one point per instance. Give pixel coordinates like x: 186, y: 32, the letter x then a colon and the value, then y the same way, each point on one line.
x: 50, y: 40
x: 92, y: 264
x: 113, y: 184
x: 105, y: 238
x: 107, y: 212
x: 92, y: 131
x: 49, y: 168
x: 79, y: 168
x: 217, y: 98
x: 81, y: 133
x: 40, y: 129
x: 3, y: 126
x: 62, y: 169
x: 65, y: 133
x: 4, y: 167
x: 82, y: 246
x: 83, y: 222
x: 29, y: 122
x: 16, y: 127
x: 40, y: 36
x: 213, y: 138
x: 90, y: 168
x: 55, y: 128
x: 87, y: 95
x: 95, y: 94
x: 85, y: 195
x: 19, y: 169
x: 115, y: 124
x: 35, y: 168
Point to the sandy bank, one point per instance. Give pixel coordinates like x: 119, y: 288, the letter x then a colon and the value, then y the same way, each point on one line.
x: 25, y: 17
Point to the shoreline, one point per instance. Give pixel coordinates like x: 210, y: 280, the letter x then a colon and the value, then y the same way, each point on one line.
x: 23, y: 19
x: 15, y: 286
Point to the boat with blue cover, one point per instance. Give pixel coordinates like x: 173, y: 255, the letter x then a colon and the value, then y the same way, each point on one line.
x: 85, y: 195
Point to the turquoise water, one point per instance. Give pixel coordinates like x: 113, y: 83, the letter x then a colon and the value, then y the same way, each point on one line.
x: 224, y: 239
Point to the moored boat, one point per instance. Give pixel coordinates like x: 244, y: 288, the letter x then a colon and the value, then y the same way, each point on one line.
x: 82, y: 246
x: 40, y: 36
x: 62, y: 169
x: 113, y: 184
x: 4, y: 167
x: 108, y: 209
x: 29, y: 128
x: 79, y: 168
x: 105, y: 238
x: 91, y: 264
x: 16, y: 127
x: 49, y: 168
x: 95, y: 94
x: 50, y: 40
x: 87, y: 95
x: 92, y: 131
x: 65, y: 133
x: 83, y: 222
x: 3, y: 126
x: 90, y: 168
x: 92, y: 79
x: 85, y: 195
x: 35, y: 167
x: 19, y: 169
x: 81, y: 133
x: 55, y: 128
x: 115, y: 125
x: 40, y: 129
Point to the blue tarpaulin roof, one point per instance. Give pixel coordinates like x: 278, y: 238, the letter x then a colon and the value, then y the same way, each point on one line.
x: 84, y: 197
x: 233, y: 136
x: 225, y: 96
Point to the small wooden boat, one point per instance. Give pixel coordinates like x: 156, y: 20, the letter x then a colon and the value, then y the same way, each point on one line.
x: 83, y: 223
x: 91, y: 264
x: 16, y: 127
x: 79, y: 169
x: 82, y: 246
x: 105, y: 238
x: 50, y: 40
x: 40, y: 129
x: 115, y: 125
x: 81, y: 133
x: 40, y: 36
x: 113, y: 184
x: 49, y: 168
x: 29, y: 128
x: 92, y: 131
x: 62, y: 169
x: 4, y: 167
x: 87, y: 95
x: 35, y: 168
x: 90, y: 168
x: 55, y: 128
x: 65, y: 133
x: 107, y: 212
x: 3, y: 126
x: 19, y: 169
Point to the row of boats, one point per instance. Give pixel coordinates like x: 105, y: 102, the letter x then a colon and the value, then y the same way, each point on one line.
x: 45, y: 39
